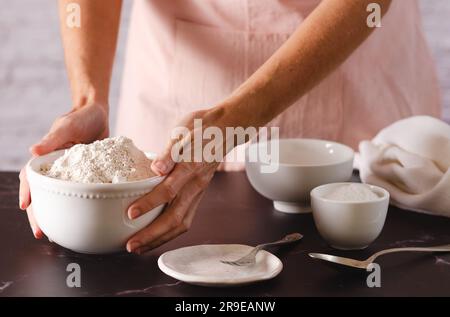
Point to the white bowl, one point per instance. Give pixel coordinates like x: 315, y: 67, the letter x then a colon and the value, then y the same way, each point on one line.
x: 86, y: 218
x: 349, y: 225
x: 303, y: 165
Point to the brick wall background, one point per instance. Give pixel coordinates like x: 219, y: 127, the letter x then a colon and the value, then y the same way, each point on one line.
x: 33, y: 83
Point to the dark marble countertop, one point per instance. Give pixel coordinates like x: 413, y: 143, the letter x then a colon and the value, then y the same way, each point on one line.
x: 231, y: 212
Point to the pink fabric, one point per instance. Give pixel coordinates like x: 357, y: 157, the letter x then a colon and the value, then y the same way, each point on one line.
x: 184, y: 55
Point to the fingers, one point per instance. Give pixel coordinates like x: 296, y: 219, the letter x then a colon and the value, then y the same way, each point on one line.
x: 172, y: 234
x: 33, y: 224
x: 175, y: 220
x: 153, y: 231
x: 25, y: 204
x: 24, y: 191
x: 161, y: 240
x: 163, y: 193
x: 61, y: 135
x: 80, y: 125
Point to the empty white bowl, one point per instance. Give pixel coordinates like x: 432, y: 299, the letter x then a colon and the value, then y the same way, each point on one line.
x: 349, y: 225
x: 86, y: 218
x: 303, y: 164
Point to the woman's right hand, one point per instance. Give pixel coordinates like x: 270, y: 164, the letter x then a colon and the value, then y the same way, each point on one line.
x: 81, y: 125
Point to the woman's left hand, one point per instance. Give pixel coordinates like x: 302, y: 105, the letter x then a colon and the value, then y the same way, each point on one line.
x: 182, y: 190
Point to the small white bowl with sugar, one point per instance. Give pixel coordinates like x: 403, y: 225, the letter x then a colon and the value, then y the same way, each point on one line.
x: 349, y: 216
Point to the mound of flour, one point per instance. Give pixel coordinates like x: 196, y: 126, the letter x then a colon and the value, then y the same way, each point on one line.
x: 112, y: 160
x: 352, y: 192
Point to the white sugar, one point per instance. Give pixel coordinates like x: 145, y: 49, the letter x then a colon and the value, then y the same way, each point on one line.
x: 352, y: 192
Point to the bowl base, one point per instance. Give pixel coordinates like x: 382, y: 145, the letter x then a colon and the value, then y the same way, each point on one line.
x: 292, y: 208
x: 117, y: 251
x: 348, y: 248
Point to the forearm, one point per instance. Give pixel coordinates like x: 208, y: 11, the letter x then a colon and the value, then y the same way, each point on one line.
x: 89, y: 50
x: 322, y: 42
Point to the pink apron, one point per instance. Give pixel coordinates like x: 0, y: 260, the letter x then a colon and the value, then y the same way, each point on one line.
x: 185, y: 55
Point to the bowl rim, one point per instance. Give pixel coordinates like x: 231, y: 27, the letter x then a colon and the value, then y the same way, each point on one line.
x: 306, y: 140
x: 47, y: 180
x: 314, y: 194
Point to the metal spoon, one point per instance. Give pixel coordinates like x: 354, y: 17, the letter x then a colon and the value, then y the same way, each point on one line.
x: 250, y: 258
x: 364, y: 264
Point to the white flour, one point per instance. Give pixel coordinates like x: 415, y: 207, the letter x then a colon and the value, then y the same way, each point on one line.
x: 112, y: 160
x: 352, y: 192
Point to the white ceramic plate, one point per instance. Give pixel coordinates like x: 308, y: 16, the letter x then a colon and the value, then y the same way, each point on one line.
x: 200, y: 265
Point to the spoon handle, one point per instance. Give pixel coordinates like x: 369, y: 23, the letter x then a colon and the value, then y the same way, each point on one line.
x: 290, y: 238
x: 441, y: 248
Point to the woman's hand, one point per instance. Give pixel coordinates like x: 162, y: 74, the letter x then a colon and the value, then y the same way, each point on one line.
x: 182, y: 189
x: 82, y: 125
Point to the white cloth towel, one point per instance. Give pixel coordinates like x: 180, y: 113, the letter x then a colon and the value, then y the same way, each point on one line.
x: 411, y: 159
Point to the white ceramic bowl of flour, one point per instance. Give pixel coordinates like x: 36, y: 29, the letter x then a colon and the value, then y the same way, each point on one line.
x: 349, y: 215
x: 86, y: 218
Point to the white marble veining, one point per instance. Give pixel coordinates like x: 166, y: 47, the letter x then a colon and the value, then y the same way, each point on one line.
x: 146, y: 290
x: 5, y: 285
x: 440, y: 260
x: 412, y: 242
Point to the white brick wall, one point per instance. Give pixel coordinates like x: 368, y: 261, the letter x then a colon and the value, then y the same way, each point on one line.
x: 436, y: 23
x: 33, y: 83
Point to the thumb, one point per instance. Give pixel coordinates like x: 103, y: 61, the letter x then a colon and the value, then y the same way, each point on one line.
x: 164, y: 162
x: 51, y: 142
